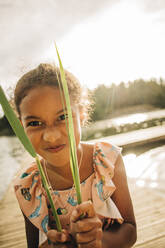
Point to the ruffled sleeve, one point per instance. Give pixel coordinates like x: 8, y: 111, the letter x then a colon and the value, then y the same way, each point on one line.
x: 31, y: 197
x: 104, y: 157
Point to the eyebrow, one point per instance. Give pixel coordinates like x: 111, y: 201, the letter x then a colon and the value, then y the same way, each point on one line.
x: 36, y: 117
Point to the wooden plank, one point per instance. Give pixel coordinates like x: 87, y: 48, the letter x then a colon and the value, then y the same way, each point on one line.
x: 149, y: 206
x: 149, y: 211
x: 12, y: 230
x: 136, y: 138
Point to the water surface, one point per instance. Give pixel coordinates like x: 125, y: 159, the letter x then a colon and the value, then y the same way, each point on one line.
x: 11, y: 152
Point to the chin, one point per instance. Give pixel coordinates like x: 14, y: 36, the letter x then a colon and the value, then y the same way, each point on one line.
x: 58, y: 160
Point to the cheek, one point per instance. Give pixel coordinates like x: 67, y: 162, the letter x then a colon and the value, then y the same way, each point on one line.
x: 34, y: 138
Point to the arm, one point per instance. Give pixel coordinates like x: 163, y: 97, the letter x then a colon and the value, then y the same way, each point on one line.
x: 121, y: 235
x: 60, y: 240
x: 88, y: 232
x: 32, y: 234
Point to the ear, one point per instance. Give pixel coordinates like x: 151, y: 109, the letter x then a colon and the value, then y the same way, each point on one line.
x: 82, y: 116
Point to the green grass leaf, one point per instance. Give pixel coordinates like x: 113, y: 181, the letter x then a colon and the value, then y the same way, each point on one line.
x: 70, y: 130
x: 20, y: 133
x: 46, y: 186
x: 15, y: 124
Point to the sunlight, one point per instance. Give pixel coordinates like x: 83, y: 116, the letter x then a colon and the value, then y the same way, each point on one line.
x: 114, y: 45
x: 134, y: 118
x: 153, y: 185
x: 1, y: 112
x: 154, y: 176
x: 146, y: 169
x: 129, y: 161
x: 140, y: 183
x: 137, y: 167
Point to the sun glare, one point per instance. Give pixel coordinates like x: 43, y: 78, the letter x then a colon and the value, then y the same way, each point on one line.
x: 134, y: 118
x: 121, y: 43
x: 146, y: 169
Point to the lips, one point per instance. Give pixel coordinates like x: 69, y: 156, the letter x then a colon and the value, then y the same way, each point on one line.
x: 54, y: 149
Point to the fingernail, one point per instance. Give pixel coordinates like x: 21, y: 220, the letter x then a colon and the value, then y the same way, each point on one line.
x: 74, y: 212
x: 63, y: 237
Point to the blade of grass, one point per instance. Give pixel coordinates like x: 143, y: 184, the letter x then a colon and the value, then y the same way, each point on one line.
x: 15, y: 124
x: 20, y: 133
x: 71, y: 136
x: 46, y: 186
x: 65, y: 113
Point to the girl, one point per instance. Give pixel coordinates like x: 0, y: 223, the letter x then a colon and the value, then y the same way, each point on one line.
x: 109, y: 219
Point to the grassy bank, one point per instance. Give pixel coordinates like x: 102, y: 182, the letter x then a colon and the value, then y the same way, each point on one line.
x: 124, y: 124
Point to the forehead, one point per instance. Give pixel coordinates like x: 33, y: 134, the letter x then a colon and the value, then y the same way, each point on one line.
x: 42, y: 100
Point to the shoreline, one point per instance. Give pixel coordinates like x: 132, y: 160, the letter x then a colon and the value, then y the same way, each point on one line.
x: 21, y: 158
x: 149, y: 207
x: 12, y: 160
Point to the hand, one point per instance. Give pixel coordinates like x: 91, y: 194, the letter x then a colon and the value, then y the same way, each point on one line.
x: 59, y: 239
x: 85, y: 226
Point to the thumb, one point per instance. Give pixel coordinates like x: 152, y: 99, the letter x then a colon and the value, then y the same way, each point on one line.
x: 85, y: 209
x: 55, y: 236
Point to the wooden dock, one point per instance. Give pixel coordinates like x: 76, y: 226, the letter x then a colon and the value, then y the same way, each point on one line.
x: 12, y: 231
x: 137, y: 137
x: 149, y: 209
x: 149, y: 206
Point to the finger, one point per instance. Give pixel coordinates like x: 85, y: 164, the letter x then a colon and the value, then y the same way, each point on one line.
x: 58, y: 245
x: 52, y: 235
x: 94, y: 234
x: 55, y: 236
x: 66, y: 236
x: 85, y: 208
x: 94, y: 243
x: 86, y: 224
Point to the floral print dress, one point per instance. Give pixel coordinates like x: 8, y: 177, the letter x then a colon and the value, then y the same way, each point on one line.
x: 98, y: 188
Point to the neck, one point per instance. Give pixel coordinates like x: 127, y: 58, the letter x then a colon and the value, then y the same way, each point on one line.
x: 66, y: 167
x: 62, y: 174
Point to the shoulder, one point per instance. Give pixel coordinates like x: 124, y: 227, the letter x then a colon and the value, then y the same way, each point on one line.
x: 106, y: 152
x: 27, y: 177
x: 102, y: 146
x: 103, y: 156
x: 102, y: 149
x: 107, y: 147
x: 31, y: 196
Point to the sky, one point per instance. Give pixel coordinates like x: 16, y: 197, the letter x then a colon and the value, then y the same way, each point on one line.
x: 101, y: 42
x: 121, y: 43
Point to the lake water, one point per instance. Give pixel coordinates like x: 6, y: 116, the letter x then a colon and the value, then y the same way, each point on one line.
x: 131, y: 118
x: 11, y: 152
x: 147, y: 167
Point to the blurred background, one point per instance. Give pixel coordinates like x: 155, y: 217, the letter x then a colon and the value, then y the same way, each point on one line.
x: 116, y: 49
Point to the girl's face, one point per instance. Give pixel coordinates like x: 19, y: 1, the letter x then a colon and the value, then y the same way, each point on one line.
x: 43, y: 119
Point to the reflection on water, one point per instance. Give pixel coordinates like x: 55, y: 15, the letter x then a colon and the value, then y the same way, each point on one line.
x: 10, y: 155
x: 139, y: 117
x: 125, y: 123
x: 134, y: 118
x: 147, y: 168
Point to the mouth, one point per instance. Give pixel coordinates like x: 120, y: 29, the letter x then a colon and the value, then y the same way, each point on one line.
x: 54, y: 149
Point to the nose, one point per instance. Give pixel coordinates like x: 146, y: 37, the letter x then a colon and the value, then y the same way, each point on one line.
x: 51, y: 135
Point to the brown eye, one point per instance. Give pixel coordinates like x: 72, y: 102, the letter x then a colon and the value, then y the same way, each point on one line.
x: 62, y: 117
x: 34, y: 124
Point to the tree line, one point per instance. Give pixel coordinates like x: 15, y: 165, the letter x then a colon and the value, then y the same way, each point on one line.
x: 108, y: 99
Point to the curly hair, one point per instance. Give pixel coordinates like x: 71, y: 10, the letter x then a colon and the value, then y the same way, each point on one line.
x: 48, y: 75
